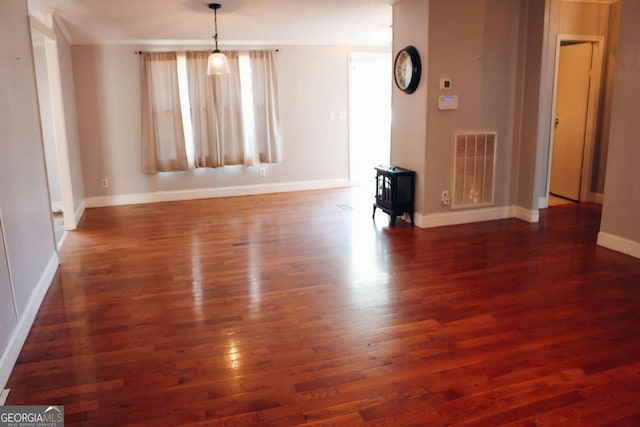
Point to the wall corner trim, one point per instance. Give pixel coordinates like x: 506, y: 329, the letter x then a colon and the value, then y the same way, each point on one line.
x: 63, y: 28
x: 10, y: 356
x: 525, y: 214
x: 79, y: 212
x: 543, y: 202
x: 598, y: 198
x: 619, y: 244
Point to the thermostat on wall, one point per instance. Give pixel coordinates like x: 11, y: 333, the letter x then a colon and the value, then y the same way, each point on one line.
x: 448, y: 102
x: 445, y: 83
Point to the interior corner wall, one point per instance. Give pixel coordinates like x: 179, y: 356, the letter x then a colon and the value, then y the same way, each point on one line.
x: 602, y: 140
x: 529, y: 140
x: 621, y: 208
x: 409, y: 111
x: 312, y: 82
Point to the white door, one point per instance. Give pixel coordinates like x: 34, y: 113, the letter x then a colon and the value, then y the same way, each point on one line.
x: 369, y: 115
x: 572, y: 98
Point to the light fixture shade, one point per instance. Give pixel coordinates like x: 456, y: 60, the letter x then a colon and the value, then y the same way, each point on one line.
x: 217, y: 63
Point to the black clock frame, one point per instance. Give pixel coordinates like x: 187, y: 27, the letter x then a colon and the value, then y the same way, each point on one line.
x: 415, y: 71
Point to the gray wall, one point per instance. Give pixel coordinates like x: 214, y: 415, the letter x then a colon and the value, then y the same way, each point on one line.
x: 24, y: 200
x: 409, y: 112
x: 529, y: 117
x: 500, y: 55
x: 621, y: 209
x: 602, y: 139
x: 476, y: 44
x: 312, y: 83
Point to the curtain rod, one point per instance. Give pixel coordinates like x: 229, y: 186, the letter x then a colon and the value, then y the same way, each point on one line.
x: 140, y: 52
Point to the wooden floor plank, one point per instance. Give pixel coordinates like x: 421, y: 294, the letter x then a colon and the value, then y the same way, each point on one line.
x: 285, y: 309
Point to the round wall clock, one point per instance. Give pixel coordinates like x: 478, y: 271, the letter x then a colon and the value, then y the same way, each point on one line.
x: 407, y: 69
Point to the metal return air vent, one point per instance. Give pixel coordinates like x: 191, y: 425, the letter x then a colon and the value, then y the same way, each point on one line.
x: 474, y: 161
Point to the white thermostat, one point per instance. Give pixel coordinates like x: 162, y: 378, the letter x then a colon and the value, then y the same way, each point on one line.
x: 448, y: 102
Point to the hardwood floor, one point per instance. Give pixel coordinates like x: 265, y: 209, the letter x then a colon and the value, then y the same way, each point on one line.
x: 287, y: 309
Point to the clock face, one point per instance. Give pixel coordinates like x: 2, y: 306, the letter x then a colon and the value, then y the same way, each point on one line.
x: 403, y: 69
x: 407, y: 68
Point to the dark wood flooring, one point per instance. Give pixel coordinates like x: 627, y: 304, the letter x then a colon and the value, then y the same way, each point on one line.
x: 287, y: 309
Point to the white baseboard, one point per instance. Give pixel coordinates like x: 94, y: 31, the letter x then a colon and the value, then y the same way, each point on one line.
x: 619, y: 244
x: 475, y: 215
x: 19, y: 335
x: 79, y: 212
x: 525, y: 214
x: 461, y: 217
x: 60, y: 242
x: 206, y: 193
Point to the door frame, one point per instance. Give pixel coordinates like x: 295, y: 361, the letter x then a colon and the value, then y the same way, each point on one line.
x: 60, y: 128
x: 586, y: 195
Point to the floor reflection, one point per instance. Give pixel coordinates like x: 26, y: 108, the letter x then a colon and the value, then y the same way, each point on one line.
x: 370, y: 277
x: 196, y: 275
x: 255, y: 267
x: 233, y: 355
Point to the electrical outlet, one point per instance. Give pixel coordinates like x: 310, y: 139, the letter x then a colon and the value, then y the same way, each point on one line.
x: 262, y: 172
x: 444, y: 198
x: 105, y: 183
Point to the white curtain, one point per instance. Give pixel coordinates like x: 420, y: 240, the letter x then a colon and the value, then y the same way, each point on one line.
x: 215, y: 112
x: 225, y: 132
x: 265, y: 105
x: 163, y: 142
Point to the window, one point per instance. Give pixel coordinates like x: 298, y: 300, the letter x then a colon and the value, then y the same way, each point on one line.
x: 192, y: 120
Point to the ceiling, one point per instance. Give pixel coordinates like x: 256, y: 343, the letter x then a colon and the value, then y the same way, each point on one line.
x: 240, y: 22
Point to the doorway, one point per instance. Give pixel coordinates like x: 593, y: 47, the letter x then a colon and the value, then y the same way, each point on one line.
x: 369, y: 115
x: 576, y: 100
x: 53, y: 124
x: 48, y: 132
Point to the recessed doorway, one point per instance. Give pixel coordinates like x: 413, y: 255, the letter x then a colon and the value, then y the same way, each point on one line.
x: 575, y: 112
x: 369, y: 115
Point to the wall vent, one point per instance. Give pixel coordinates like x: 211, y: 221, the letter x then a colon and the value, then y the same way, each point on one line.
x: 474, y: 161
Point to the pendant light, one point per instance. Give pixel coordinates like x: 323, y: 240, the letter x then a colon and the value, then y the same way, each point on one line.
x: 217, y: 63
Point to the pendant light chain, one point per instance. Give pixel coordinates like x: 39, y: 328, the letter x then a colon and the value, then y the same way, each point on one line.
x: 215, y: 23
